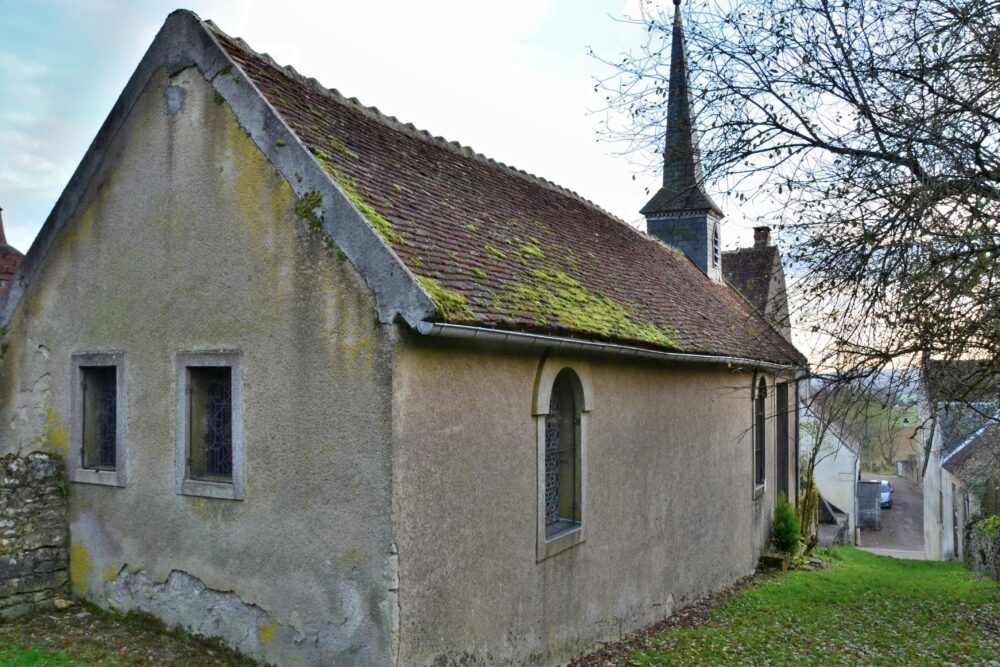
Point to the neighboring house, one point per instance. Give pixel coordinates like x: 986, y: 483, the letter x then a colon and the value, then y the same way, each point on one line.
x: 964, y: 441
x: 341, y: 392
x: 10, y: 258
x: 758, y: 274
x: 838, y: 463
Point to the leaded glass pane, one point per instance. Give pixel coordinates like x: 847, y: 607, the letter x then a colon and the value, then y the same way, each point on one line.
x: 210, y: 415
x: 760, y: 420
x: 100, y: 416
x: 562, y: 499
x: 552, y: 442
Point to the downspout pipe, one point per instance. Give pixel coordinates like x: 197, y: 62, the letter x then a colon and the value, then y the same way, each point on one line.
x: 466, y: 332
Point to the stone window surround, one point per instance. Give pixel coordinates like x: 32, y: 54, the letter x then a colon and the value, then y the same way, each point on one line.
x: 77, y: 473
x: 550, y: 368
x: 235, y: 489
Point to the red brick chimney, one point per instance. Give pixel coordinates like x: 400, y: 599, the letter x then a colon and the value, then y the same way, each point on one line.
x: 762, y: 237
x: 10, y: 257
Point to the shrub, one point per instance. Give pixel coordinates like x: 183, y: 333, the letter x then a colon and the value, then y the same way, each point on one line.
x: 988, y: 527
x: 786, y: 533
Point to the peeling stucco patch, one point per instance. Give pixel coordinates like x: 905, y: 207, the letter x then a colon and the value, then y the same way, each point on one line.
x: 174, y: 98
x: 184, y: 600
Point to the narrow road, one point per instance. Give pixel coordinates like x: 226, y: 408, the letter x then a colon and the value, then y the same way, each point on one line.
x: 902, y: 534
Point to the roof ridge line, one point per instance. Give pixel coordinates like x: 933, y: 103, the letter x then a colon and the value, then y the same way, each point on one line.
x: 410, y: 128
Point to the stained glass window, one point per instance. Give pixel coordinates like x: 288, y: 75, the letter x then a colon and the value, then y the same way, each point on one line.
x: 210, y: 422
x: 760, y: 421
x: 100, y: 416
x: 562, y: 455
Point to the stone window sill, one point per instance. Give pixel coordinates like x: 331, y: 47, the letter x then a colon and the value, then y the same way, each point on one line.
x: 98, y: 477
x: 205, y: 489
x: 570, y: 537
x: 758, y: 491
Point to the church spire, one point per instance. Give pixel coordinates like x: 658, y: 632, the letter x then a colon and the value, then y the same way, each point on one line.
x: 681, y: 213
x: 682, y: 180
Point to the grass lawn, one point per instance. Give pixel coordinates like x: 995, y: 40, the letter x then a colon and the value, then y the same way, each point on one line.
x: 86, y: 635
x: 863, y: 609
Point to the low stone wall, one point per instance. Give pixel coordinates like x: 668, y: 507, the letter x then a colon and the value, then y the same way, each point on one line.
x: 33, y: 533
x: 982, y: 546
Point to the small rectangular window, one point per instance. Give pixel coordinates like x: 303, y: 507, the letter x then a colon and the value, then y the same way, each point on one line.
x: 99, y: 390
x: 98, y: 432
x: 209, y: 423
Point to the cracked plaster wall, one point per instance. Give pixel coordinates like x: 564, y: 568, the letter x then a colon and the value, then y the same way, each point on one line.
x: 187, y: 240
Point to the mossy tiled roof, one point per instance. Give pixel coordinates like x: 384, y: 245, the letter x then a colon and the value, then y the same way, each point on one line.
x: 495, y: 247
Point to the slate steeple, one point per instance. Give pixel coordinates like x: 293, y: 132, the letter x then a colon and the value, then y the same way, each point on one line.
x: 681, y: 213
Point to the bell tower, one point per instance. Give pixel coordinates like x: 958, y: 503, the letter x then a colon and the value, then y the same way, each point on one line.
x: 681, y: 213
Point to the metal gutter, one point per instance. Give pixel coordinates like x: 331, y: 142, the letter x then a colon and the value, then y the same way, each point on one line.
x: 465, y: 332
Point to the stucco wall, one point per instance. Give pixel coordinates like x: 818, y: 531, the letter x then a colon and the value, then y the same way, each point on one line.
x: 188, y: 241
x: 837, y: 468
x: 669, y: 508
x: 944, y: 512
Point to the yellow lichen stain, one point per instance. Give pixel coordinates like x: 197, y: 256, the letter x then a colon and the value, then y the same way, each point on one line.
x: 261, y: 198
x: 267, y: 633
x: 56, y: 435
x: 351, y: 557
x: 79, y: 568
x: 111, y: 572
x: 200, y: 508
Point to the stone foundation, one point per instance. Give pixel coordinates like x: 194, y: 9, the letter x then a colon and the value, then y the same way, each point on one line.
x: 33, y: 534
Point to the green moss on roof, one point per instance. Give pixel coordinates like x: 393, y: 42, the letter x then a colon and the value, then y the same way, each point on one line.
x: 374, y: 218
x: 532, y: 248
x: 451, y: 305
x: 495, y: 251
x: 341, y: 147
x: 557, y: 296
x: 478, y: 273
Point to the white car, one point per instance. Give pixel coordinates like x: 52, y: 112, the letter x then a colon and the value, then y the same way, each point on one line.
x: 885, y: 492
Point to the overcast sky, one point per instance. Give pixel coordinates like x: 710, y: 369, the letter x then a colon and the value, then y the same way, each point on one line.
x: 511, y: 79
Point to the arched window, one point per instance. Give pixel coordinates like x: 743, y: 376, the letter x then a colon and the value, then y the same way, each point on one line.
x: 562, y: 455
x: 759, y: 430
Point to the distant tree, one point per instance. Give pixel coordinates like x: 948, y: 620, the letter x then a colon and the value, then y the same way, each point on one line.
x: 871, y: 130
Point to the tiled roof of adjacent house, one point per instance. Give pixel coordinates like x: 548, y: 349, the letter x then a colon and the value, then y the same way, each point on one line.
x: 978, y: 451
x: 496, y: 247
x: 10, y: 258
x: 749, y: 271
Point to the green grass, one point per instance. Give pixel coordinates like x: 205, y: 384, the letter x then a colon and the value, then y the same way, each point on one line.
x: 864, y: 609
x: 39, y: 656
